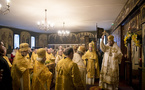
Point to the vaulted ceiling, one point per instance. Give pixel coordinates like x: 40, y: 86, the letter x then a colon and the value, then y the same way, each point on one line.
x: 78, y: 15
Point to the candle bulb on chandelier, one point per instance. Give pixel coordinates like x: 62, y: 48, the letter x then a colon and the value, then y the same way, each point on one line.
x: 48, y: 22
x: 45, y: 24
x: 5, y: 10
x: 63, y: 32
x: 8, y: 1
x: 38, y: 23
x: 52, y: 24
x: 42, y: 22
x: 0, y: 6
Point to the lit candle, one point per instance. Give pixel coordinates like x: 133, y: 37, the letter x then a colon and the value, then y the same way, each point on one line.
x: 38, y: 23
x: 0, y: 6
x: 52, y: 25
x: 8, y: 1
x: 48, y: 22
x: 42, y: 22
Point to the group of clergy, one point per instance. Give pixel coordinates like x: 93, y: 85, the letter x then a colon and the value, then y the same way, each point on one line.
x: 71, y: 68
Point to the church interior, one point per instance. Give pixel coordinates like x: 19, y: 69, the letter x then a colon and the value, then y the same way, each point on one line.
x: 86, y: 26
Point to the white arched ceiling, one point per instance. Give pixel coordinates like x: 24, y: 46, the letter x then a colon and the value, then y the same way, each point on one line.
x: 79, y: 15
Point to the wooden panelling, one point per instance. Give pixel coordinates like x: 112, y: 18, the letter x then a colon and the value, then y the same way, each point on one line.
x: 143, y: 79
x: 117, y: 36
x: 129, y: 6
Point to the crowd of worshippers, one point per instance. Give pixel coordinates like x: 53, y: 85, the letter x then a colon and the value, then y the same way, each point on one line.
x: 68, y: 68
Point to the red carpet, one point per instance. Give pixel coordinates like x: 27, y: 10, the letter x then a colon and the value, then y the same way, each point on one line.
x: 94, y: 88
x: 120, y: 88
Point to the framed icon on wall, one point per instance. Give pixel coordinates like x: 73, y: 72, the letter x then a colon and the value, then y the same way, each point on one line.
x: 143, y: 14
x: 87, y: 42
x: 143, y: 45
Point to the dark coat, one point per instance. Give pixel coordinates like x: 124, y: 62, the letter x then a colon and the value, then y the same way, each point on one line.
x: 6, y: 83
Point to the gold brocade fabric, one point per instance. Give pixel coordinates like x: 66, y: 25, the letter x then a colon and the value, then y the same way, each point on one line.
x: 26, y: 80
x: 7, y: 59
x: 50, y: 58
x: 20, y: 69
x: 92, y: 64
x: 28, y: 57
x: 58, y: 58
x: 83, y: 71
x: 57, y: 53
x: 33, y: 58
x: 109, y: 74
x: 68, y: 76
x: 30, y: 60
x: 62, y: 54
x: 41, y: 77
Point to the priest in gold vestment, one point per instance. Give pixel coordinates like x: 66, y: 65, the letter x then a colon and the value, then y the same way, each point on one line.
x: 109, y: 75
x: 77, y: 58
x: 41, y: 75
x: 68, y: 74
x: 59, y: 48
x: 49, y: 57
x: 34, y: 56
x: 59, y: 56
x: 75, y: 47
x: 91, y: 61
x: 21, y: 69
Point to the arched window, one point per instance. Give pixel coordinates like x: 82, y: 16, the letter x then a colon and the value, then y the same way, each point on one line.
x: 32, y: 41
x: 16, y: 40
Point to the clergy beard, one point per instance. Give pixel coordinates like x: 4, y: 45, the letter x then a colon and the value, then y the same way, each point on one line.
x: 90, y: 50
x: 111, y: 44
x: 23, y: 55
x: 43, y: 61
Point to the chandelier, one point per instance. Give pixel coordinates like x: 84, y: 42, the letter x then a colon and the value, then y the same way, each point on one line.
x: 5, y: 10
x: 63, y: 32
x: 44, y: 24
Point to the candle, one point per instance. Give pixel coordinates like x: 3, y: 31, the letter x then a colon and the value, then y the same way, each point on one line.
x: 42, y: 22
x: 0, y: 6
x: 8, y: 1
x: 38, y: 23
